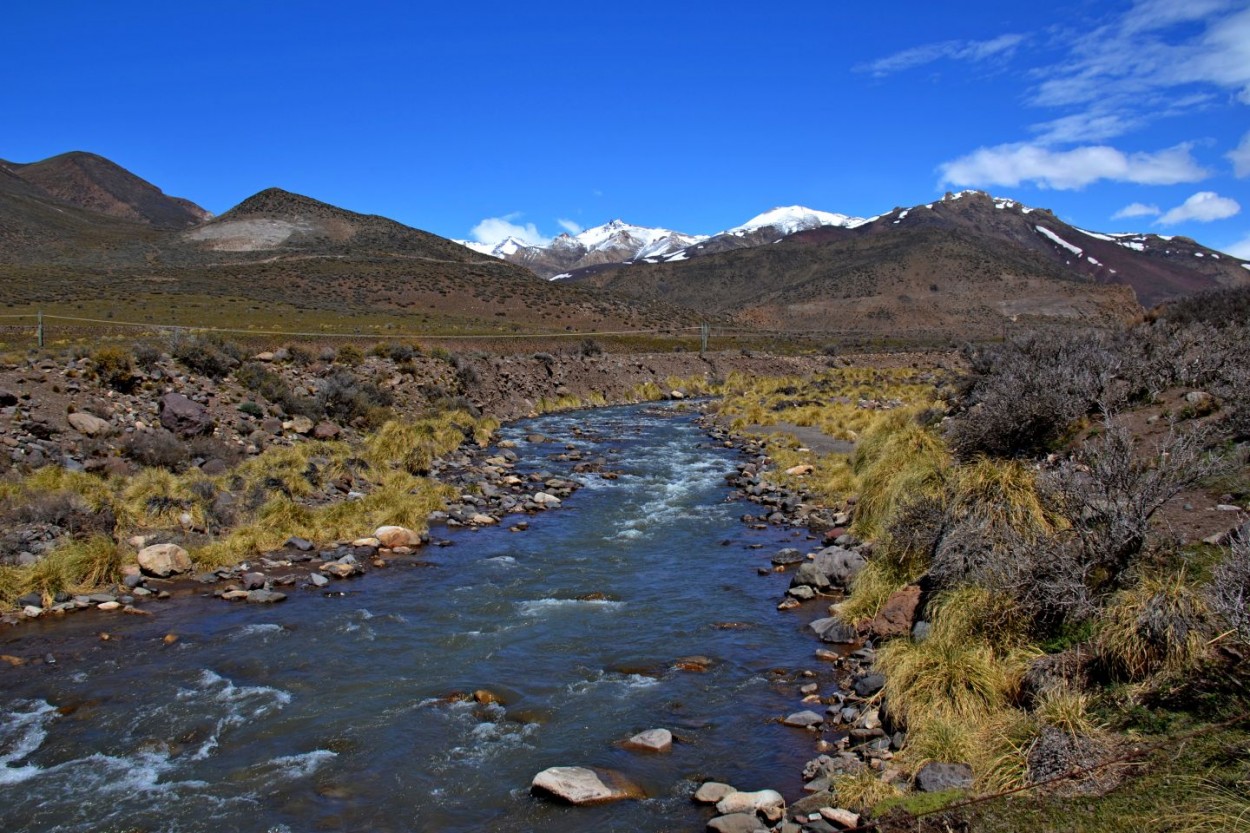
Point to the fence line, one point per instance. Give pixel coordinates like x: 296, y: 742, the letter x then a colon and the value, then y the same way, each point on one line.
x: 427, y: 336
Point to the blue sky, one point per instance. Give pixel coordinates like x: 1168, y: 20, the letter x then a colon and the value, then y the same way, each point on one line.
x: 1117, y: 115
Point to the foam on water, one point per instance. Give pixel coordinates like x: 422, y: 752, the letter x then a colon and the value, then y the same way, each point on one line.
x: 21, y: 733
x: 540, y: 607
x: 608, y: 680
x: 243, y: 704
x: 294, y: 767
x: 259, y: 629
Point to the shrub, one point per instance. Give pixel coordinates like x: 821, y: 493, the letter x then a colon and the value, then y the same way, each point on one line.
x: 1228, y: 594
x: 209, y: 354
x: 345, y: 398
x: 349, y: 355
x: 147, y: 356
x: 299, y: 355
x: 158, y: 448
x: 590, y: 347
x: 261, y: 380
x: 252, y: 409
x: 114, y: 368
x: 399, y: 352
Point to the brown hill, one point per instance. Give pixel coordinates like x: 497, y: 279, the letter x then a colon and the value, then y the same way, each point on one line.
x: 97, y: 184
x: 278, y: 221
x: 281, y: 261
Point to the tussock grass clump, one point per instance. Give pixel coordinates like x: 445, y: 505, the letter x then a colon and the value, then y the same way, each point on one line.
x: 897, y: 461
x: 1213, y: 808
x: 73, y: 567
x: 994, y: 746
x: 1067, y: 708
x: 971, y: 665
x: 1158, y: 626
x: 947, y: 678
x: 862, y: 790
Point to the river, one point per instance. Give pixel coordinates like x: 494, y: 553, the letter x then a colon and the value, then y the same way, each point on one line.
x: 331, y: 711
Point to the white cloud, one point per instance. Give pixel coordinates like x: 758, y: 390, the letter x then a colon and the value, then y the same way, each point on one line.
x: 569, y: 226
x: 1240, y: 249
x: 955, y: 50
x: 1137, y: 209
x: 495, y: 230
x: 1203, y: 207
x: 1084, y: 127
x: 1142, y: 62
x: 1240, y: 157
x: 1013, y: 164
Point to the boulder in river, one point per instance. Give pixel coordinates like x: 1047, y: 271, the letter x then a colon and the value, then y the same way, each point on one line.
x: 652, y: 740
x: 737, y: 823
x: 584, y: 786
x: 769, y: 802
x: 832, y: 629
x: 164, y: 560
x: 712, y: 791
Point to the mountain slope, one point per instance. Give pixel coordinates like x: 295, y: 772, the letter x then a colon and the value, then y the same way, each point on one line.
x: 282, y: 261
x: 966, y: 265
x: 277, y: 221
x: 97, y: 184
x: 1158, y: 268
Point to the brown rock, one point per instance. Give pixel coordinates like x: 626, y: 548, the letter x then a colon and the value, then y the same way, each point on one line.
x: 183, y: 416
x: 898, y: 614
x: 325, y: 431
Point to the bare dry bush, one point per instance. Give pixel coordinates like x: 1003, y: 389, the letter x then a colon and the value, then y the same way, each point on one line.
x: 1020, y: 397
x: 1228, y: 594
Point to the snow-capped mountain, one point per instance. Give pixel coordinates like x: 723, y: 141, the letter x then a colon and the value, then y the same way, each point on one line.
x: 788, y: 219
x: 621, y: 242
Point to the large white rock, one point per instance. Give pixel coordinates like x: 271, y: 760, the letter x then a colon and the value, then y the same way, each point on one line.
x: 164, y: 560
x: 88, y: 424
x: 712, y: 792
x: 583, y: 786
x: 652, y: 740
x: 397, y: 536
x: 769, y: 802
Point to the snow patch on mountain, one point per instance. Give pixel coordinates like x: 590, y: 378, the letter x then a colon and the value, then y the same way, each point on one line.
x: 791, y: 218
x: 1045, y: 232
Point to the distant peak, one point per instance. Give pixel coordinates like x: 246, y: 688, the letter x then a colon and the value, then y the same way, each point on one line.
x: 791, y: 218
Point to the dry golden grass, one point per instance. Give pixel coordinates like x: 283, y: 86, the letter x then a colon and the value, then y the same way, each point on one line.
x: 862, y: 790
x: 897, y: 460
x: 157, y: 499
x: 1161, y: 625
x: 1212, y: 808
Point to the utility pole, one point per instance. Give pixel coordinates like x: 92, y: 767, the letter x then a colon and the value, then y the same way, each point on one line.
x: 39, y: 328
x: 704, y: 331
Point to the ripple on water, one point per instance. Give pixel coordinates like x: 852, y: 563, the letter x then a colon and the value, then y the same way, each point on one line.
x: 541, y: 607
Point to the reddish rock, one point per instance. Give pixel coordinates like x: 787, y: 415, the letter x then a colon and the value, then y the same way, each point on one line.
x: 898, y: 614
